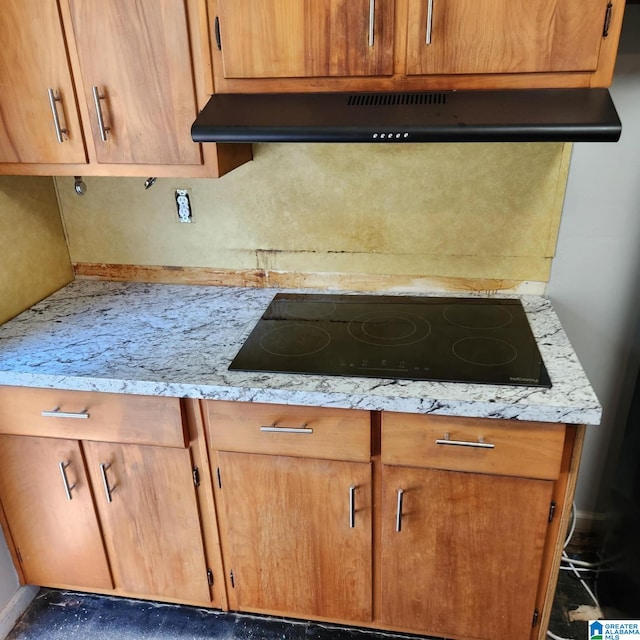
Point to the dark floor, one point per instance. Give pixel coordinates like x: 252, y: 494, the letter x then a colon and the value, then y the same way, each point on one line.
x: 65, y: 615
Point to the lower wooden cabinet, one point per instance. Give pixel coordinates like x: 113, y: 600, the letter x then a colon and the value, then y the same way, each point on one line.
x: 146, y: 501
x: 48, y: 502
x: 462, y: 552
x: 299, y: 534
x: 124, y: 516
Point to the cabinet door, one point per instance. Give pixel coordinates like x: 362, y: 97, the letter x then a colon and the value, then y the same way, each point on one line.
x: 33, y: 62
x: 296, y: 547
x: 462, y: 552
x: 298, y: 39
x: 136, y: 70
x: 504, y: 36
x: 150, y: 519
x: 53, y: 524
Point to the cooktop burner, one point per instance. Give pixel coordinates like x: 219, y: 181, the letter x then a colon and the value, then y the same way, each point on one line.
x: 475, y: 340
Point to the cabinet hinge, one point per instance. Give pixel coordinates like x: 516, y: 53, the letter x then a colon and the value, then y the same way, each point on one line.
x: 210, y: 577
x: 607, y: 20
x: 219, y: 477
x: 196, y: 476
x: 552, y: 511
x: 19, y: 555
x: 232, y: 579
x: 216, y: 30
x: 536, y: 615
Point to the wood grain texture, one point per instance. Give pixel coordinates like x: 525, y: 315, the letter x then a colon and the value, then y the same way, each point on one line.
x: 112, y: 417
x: 505, y: 36
x: 292, y: 549
x: 264, y: 278
x: 33, y: 60
x: 297, y: 39
x: 59, y: 540
x: 526, y: 449
x: 466, y: 561
x: 337, y: 434
x: 151, y: 527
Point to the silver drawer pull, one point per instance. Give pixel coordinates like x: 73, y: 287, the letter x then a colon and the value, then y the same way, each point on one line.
x: 352, y: 507
x: 105, y: 481
x: 399, y: 511
x: 429, y: 21
x: 103, y: 129
x: 372, y: 22
x: 63, y: 472
x: 274, y: 429
x: 480, y: 444
x: 61, y: 133
x: 56, y: 413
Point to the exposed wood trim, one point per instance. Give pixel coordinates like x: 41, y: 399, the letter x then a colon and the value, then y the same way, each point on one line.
x: 281, y: 279
x: 563, y: 495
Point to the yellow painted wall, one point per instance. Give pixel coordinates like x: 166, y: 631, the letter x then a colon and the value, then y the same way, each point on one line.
x: 34, y: 260
x: 442, y: 210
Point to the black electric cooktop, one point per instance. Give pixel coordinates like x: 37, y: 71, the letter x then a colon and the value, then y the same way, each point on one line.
x: 476, y: 340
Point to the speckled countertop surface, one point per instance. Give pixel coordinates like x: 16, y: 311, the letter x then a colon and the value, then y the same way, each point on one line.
x: 178, y: 340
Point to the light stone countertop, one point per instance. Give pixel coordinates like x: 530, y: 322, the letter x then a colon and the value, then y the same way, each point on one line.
x: 178, y: 340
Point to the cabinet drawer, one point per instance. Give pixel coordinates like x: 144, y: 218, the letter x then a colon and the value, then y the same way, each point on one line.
x: 309, y: 432
x: 89, y: 415
x: 501, y: 447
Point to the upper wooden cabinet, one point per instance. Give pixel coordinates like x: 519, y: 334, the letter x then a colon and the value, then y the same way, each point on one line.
x: 106, y: 88
x: 35, y: 84
x: 293, y: 39
x: 504, y: 36
x: 391, y: 45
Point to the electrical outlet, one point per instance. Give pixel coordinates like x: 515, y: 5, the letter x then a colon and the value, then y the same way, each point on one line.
x: 183, y: 205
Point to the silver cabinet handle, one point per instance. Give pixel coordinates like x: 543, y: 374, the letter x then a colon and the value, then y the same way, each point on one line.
x: 372, y: 21
x: 274, y: 429
x: 101, y: 126
x: 480, y: 444
x: 352, y: 507
x: 399, y: 511
x: 67, y: 488
x: 56, y: 413
x: 105, y: 481
x: 61, y: 134
x: 429, y: 20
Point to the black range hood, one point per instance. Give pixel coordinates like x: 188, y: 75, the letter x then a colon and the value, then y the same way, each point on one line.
x: 521, y: 115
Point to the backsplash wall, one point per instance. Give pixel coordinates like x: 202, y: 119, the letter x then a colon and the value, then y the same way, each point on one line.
x: 466, y: 211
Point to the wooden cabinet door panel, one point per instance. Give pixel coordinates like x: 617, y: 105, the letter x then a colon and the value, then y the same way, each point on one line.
x: 298, y: 39
x: 467, y: 558
x: 34, y: 60
x: 504, y: 36
x: 138, y: 56
x: 293, y: 549
x: 151, y: 526
x: 58, y: 538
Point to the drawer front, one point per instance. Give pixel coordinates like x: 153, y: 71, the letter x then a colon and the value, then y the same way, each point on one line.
x: 502, y: 447
x: 89, y: 415
x: 309, y: 432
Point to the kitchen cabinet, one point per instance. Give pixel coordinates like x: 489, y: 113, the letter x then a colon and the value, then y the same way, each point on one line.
x: 414, y: 45
x: 293, y: 39
x: 31, y: 73
x: 504, y: 36
x: 126, y: 80
x: 465, y: 514
x: 295, y: 484
x: 123, y: 475
x: 47, y: 498
x: 148, y: 510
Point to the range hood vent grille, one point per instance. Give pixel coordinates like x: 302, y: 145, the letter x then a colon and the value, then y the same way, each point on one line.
x: 386, y: 99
